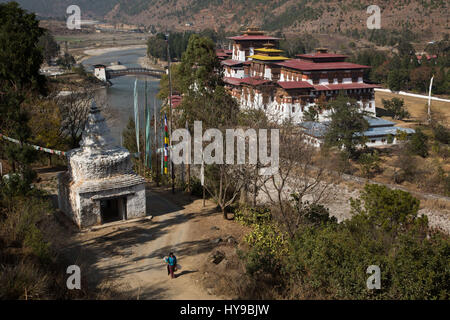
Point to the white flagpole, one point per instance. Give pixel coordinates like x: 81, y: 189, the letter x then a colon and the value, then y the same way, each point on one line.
x: 429, y: 100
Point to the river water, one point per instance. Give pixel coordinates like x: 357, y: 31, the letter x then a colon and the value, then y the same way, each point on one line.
x: 119, y: 98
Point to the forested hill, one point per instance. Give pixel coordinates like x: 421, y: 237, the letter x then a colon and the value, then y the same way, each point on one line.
x: 427, y: 17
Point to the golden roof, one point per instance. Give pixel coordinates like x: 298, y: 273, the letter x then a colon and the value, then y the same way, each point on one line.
x: 267, y: 58
x: 268, y: 50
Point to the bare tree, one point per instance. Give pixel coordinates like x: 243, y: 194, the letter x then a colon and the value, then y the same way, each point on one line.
x: 74, y: 110
x: 302, y: 175
x: 224, y: 183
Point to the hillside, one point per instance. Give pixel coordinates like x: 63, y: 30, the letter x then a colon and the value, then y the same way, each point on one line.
x: 427, y: 18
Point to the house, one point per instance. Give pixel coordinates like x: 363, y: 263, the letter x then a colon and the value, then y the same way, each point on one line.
x: 380, y: 133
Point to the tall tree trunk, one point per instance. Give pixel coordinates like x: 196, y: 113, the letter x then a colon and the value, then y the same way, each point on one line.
x: 225, y: 214
x: 188, y: 177
x: 243, y: 199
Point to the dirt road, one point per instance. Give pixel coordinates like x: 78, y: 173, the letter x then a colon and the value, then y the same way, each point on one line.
x: 131, y: 255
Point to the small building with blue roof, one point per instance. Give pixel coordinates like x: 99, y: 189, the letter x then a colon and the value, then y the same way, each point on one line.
x: 380, y: 132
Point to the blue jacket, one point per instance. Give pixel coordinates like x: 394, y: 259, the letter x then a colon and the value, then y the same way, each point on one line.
x: 172, y: 261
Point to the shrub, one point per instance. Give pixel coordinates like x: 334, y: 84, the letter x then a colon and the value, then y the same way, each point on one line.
x: 311, y: 214
x: 249, y: 216
x: 268, y: 249
x: 331, y: 260
x: 196, y: 187
x: 369, y: 163
x: 418, y: 144
x: 396, y: 107
x: 386, y: 208
x: 441, y: 133
x: 390, y: 138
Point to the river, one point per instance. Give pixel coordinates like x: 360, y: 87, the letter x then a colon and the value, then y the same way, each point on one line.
x: 120, y: 97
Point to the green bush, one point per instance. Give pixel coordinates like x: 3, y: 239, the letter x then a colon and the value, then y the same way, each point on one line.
x: 369, y: 163
x: 330, y: 260
x: 250, y: 216
x: 396, y: 107
x: 441, y: 133
x: 196, y: 187
x: 268, y: 245
x: 418, y: 144
x: 390, y: 138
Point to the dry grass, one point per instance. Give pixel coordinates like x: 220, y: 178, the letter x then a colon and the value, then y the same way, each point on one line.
x: 417, y: 107
x: 436, y: 204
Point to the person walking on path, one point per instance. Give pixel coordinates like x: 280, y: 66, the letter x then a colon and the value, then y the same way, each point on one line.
x: 171, y: 261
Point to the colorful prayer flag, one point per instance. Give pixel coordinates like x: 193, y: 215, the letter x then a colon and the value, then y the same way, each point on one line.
x: 166, y: 146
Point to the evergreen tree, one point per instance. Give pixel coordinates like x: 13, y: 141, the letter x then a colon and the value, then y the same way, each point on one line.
x: 396, y: 107
x: 20, y: 61
x: 419, y: 144
x: 347, y: 125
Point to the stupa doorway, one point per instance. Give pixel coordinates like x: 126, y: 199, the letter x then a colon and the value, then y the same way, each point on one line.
x: 112, y: 210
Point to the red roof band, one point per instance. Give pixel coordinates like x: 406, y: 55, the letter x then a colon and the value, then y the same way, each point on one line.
x: 253, y: 37
x: 321, y: 55
x: 312, y: 66
x: 254, y: 81
x: 295, y: 85
x: 345, y: 86
x: 289, y: 85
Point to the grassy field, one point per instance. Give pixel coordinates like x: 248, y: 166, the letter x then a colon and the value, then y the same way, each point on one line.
x: 417, y: 107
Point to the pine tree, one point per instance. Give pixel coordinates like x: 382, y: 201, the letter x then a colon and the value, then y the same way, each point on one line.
x: 20, y: 81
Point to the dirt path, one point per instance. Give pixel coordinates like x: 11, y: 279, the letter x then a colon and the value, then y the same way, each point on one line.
x: 131, y: 255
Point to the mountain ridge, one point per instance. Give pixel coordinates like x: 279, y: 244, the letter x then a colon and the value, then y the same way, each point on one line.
x: 427, y: 17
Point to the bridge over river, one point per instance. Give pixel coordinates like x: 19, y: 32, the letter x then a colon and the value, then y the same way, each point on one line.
x: 103, y: 73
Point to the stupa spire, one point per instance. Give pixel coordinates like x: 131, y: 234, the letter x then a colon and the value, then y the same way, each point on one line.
x: 96, y: 134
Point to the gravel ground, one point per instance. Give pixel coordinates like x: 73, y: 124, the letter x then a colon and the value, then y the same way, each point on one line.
x: 338, y: 203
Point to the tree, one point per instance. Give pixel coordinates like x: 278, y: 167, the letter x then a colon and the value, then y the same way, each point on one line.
x: 420, y: 78
x: 74, y: 110
x: 50, y: 47
x: 329, y: 261
x: 369, y: 163
x: 441, y: 133
x: 224, y: 183
x: 418, y: 144
x: 200, y: 69
x: 301, y: 177
x: 347, y: 125
x: 205, y: 99
x: 20, y: 55
x: 396, y: 107
x: 311, y: 114
x: 386, y: 208
x: 405, y: 48
x: 130, y: 143
x: 397, y: 79
x: 45, y: 122
x: 20, y: 80
x: 408, y: 165
x: 67, y: 61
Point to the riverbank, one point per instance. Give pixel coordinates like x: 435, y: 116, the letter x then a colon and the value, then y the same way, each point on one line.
x: 148, y: 63
x: 89, y: 53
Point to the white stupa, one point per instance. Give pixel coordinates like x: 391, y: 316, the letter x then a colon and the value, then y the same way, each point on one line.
x: 100, y: 185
